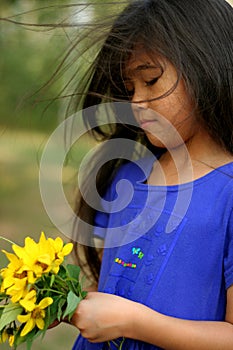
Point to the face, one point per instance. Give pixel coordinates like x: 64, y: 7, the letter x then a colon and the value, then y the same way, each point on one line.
x: 160, y: 104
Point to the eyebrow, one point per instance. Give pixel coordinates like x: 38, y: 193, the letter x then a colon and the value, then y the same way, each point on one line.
x: 129, y: 72
x: 146, y: 66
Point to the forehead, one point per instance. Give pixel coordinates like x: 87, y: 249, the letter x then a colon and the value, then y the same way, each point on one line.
x: 140, y: 61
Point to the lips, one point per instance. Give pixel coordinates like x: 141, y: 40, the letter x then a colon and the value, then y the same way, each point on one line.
x: 147, y: 123
x: 146, y: 117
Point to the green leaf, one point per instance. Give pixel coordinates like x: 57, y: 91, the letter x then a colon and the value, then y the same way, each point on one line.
x: 9, y: 314
x: 72, y: 302
x: 51, y: 313
x: 62, y: 272
x: 73, y: 271
x: 83, y: 294
x: 60, y: 309
x: 3, y: 296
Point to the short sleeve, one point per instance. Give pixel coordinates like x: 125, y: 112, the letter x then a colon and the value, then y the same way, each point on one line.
x: 228, y: 259
x: 101, y: 223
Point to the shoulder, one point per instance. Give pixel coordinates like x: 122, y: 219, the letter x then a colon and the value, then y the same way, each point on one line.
x: 226, y: 174
x: 135, y: 170
x: 129, y: 174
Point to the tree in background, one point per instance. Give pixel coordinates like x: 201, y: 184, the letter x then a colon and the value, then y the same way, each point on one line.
x: 29, y: 55
x: 32, y: 93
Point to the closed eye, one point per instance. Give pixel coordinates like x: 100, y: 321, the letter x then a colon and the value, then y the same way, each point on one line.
x: 152, y: 81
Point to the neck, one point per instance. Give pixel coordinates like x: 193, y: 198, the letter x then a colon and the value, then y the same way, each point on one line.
x: 204, y: 150
x: 190, y: 161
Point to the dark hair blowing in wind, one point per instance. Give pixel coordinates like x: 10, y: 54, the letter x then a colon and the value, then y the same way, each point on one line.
x: 197, y: 38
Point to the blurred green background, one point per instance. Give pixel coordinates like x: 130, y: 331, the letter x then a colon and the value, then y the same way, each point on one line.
x: 29, y: 57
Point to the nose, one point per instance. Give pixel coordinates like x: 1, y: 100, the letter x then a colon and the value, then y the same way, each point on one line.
x: 139, y: 106
x: 140, y: 99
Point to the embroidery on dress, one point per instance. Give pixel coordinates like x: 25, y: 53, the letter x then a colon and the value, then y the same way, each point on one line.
x: 138, y: 252
x: 125, y: 264
x: 135, y: 251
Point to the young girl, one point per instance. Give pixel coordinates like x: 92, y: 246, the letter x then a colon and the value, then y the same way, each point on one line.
x: 161, y: 286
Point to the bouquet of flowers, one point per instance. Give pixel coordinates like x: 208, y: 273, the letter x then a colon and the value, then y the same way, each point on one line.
x: 37, y: 287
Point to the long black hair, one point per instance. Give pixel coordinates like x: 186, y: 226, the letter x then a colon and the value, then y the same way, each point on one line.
x: 197, y: 38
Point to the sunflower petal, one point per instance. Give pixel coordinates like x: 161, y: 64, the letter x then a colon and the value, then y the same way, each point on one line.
x: 45, y: 302
x: 58, y: 243
x: 23, y: 318
x: 11, y: 257
x: 67, y: 248
x: 40, y: 323
x: 28, y: 327
x: 11, y: 340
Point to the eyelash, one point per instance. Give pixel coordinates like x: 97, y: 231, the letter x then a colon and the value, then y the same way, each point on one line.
x: 147, y: 84
x: 152, y: 82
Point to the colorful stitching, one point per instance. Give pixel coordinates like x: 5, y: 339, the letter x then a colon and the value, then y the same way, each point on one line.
x: 125, y: 264
x: 138, y: 252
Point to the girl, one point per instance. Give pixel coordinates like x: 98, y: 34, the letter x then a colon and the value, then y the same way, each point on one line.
x: 165, y: 281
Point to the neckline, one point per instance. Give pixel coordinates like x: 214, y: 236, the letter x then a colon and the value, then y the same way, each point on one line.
x: 204, y: 178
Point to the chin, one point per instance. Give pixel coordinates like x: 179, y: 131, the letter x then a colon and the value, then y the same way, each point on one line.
x: 165, y: 142
x: 155, y: 141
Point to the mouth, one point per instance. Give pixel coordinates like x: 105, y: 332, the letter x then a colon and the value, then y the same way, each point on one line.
x: 146, y: 123
x: 145, y: 118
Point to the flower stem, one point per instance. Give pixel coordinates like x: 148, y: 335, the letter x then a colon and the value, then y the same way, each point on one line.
x: 7, y: 240
x: 121, y: 344
x: 51, y: 290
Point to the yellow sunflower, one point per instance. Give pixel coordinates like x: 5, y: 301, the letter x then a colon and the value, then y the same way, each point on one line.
x: 35, y: 315
x: 37, y: 257
x: 60, y: 250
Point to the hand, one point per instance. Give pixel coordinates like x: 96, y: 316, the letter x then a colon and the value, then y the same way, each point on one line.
x: 102, y: 317
x: 55, y: 323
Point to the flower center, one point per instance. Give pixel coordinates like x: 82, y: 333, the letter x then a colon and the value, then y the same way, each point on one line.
x: 38, y: 313
x: 42, y: 265
x: 20, y: 275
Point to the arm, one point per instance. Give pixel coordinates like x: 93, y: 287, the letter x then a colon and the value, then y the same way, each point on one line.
x: 173, y: 333
x: 102, y: 317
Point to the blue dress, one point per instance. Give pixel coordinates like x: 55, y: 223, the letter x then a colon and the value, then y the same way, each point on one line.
x: 170, y: 248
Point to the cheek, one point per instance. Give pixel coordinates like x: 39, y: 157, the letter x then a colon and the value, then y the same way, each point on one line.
x: 170, y: 134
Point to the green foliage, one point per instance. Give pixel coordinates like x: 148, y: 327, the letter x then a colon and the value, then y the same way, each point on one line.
x: 9, y: 314
x: 35, y: 291
x: 72, y: 302
x: 65, y: 290
x: 30, y: 54
x: 29, y: 57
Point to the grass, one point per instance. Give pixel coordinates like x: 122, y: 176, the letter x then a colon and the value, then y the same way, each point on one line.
x: 22, y: 212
